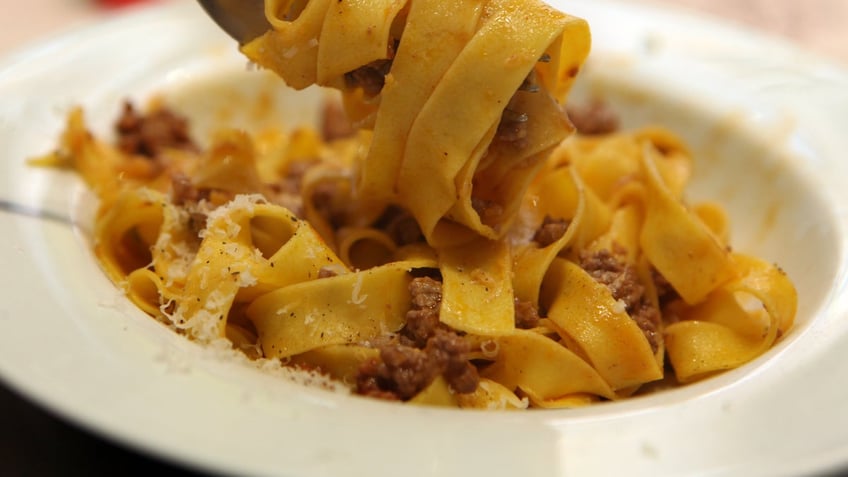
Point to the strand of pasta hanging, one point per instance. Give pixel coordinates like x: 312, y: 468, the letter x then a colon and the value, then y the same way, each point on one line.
x: 464, y: 97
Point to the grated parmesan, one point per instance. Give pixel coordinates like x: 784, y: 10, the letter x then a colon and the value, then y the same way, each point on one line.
x: 356, y: 296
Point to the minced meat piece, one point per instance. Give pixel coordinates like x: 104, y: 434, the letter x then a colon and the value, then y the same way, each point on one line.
x: 513, y: 127
x: 526, y: 314
x: 550, y: 231
x: 369, y: 381
x: 665, y: 292
x: 595, y: 117
x: 621, y: 278
x: 426, y: 293
x: 371, y: 77
x: 197, y: 223
x: 425, y: 350
x: 148, y: 135
x: 399, y: 374
x: 489, y: 211
x: 183, y: 191
x: 451, y: 351
x: 623, y: 282
x: 647, y: 317
x: 423, y: 317
x: 403, y: 371
x: 514, y: 122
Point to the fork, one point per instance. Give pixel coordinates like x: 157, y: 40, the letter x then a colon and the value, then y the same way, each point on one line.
x: 244, y: 20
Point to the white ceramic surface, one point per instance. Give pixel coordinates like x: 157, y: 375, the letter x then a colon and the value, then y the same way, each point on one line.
x: 767, y: 124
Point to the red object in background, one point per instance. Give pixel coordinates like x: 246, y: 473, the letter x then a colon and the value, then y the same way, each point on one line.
x: 118, y: 3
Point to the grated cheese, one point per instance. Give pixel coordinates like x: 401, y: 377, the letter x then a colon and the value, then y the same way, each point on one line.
x: 356, y: 296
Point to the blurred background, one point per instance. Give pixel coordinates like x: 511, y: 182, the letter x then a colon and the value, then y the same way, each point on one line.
x: 33, y: 442
x: 816, y: 24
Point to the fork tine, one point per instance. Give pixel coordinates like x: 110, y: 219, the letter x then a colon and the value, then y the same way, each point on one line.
x: 244, y: 20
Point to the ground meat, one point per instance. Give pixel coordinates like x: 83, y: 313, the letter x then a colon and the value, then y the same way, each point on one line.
x: 423, y: 317
x: 148, y: 135
x: 404, y: 371
x: 621, y: 279
x: 647, y: 317
x: 624, y: 284
x: 334, y: 122
x: 183, y: 191
x: 451, y: 351
x: 526, y: 314
x: 514, y: 122
x: 197, y: 223
x: 550, y: 231
x: 490, y: 212
x: 371, y: 77
x: 665, y: 292
x: 513, y: 127
x: 595, y: 117
x: 371, y: 381
x: 424, y: 350
x: 400, y: 373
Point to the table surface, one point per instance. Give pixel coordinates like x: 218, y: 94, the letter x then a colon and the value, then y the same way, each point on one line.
x: 33, y: 442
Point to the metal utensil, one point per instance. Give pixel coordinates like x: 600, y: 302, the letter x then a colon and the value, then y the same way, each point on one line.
x: 244, y: 20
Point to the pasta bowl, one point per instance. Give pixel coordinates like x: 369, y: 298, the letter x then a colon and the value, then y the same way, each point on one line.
x: 763, y: 119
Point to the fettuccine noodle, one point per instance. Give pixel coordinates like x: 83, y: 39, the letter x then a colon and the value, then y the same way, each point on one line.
x: 463, y: 248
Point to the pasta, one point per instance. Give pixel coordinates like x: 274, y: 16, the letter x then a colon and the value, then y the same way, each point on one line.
x: 461, y: 247
x: 452, y: 72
